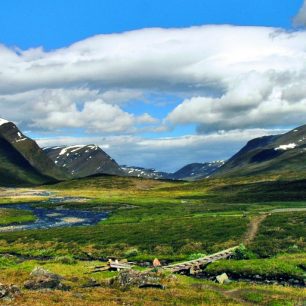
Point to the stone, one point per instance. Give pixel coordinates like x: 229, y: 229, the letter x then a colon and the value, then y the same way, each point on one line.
x: 8, y: 291
x: 131, y: 278
x: 43, y: 279
x: 222, y: 279
x: 90, y: 283
x: 156, y: 263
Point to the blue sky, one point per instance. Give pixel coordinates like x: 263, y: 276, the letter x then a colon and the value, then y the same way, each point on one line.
x: 170, y: 83
x: 58, y: 23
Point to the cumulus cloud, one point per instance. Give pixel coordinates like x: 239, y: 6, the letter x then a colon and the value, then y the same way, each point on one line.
x: 74, y: 108
x: 300, y: 18
x: 228, y: 77
x: 95, y: 115
x: 254, y: 100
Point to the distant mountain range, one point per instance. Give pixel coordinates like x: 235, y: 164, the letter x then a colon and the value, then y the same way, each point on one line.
x: 189, y: 172
x: 23, y: 162
x: 144, y: 172
x: 197, y: 171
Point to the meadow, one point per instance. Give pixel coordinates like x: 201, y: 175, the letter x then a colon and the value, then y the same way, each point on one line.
x: 173, y: 221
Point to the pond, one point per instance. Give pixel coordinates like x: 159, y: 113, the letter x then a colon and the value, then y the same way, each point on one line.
x: 57, y: 216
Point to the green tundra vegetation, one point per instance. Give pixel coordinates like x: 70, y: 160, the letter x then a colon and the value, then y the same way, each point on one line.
x: 174, y: 221
x: 14, y: 216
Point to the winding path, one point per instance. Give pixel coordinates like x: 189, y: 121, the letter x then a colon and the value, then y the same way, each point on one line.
x: 253, y: 228
x: 257, y: 220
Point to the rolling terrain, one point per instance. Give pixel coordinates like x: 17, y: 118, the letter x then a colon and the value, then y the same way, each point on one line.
x: 173, y: 221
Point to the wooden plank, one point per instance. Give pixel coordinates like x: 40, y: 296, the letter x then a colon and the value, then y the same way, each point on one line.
x: 112, y: 265
x: 120, y: 266
x: 201, y: 261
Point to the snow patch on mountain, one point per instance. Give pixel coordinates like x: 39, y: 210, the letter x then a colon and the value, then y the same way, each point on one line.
x: 286, y: 147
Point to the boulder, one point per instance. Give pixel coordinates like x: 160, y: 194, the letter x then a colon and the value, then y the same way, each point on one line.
x: 131, y: 278
x: 43, y: 279
x: 156, y: 263
x: 222, y: 279
x: 90, y: 283
x: 8, y: 291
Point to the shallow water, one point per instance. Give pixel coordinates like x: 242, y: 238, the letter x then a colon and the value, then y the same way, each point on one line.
x: 53, y: 217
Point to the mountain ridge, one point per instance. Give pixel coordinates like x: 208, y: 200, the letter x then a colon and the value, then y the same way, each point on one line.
x: 22, y: 160
x: 269, y: 154
x: 83, y: 160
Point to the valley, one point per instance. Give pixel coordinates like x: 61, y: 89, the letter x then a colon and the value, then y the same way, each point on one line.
x: 69, y: 210
x: 174, y: 222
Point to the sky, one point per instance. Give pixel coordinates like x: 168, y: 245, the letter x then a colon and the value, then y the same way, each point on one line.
x: 157, y: 84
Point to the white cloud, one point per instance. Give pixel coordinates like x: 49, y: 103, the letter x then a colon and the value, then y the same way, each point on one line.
x: 229, y: 77
x: 300, y: 18
x: 146, y: 118
x: 95, y: 115
x: 73, y: 108
x: 254, y: 100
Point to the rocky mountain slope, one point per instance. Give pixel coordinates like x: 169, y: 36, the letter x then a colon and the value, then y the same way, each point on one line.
x: 196, y: 171
x: 269, y: 154
x: 22, y: 161
x: 83, y: 160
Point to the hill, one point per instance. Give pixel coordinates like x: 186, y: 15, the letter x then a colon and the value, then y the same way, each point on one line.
x: 277, y: 154
x: 23, y: 162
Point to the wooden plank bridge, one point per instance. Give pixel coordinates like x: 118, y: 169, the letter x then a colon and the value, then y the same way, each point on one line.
x: 112, y: 265
x: 194, y: 265
x: 191, y: 266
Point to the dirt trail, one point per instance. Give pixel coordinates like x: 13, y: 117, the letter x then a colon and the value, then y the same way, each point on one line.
x: 253, y: 228
x: 257, y: 220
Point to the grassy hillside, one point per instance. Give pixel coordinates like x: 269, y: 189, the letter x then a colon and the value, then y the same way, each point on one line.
x: 16, y: 170
x: 31, y: 152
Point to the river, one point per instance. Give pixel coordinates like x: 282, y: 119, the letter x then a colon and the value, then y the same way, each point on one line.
x: 57, y: 216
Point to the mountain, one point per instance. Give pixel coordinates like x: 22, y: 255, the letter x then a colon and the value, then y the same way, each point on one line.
x: 22, y: 162
x: 196, y: 171
x: 189, y: 172
x: 269, y: 155
x: 83, y: 160
x: 144, y: 172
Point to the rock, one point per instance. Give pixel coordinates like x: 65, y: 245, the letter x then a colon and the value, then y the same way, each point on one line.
x: 156, y: 263
x: 222, y: 279
x: 8, y: 291
x: 131, y: 278
x: 91, y: 282
x: 43, y: 279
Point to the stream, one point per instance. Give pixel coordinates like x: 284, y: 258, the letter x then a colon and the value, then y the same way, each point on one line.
x: 57, y: 216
